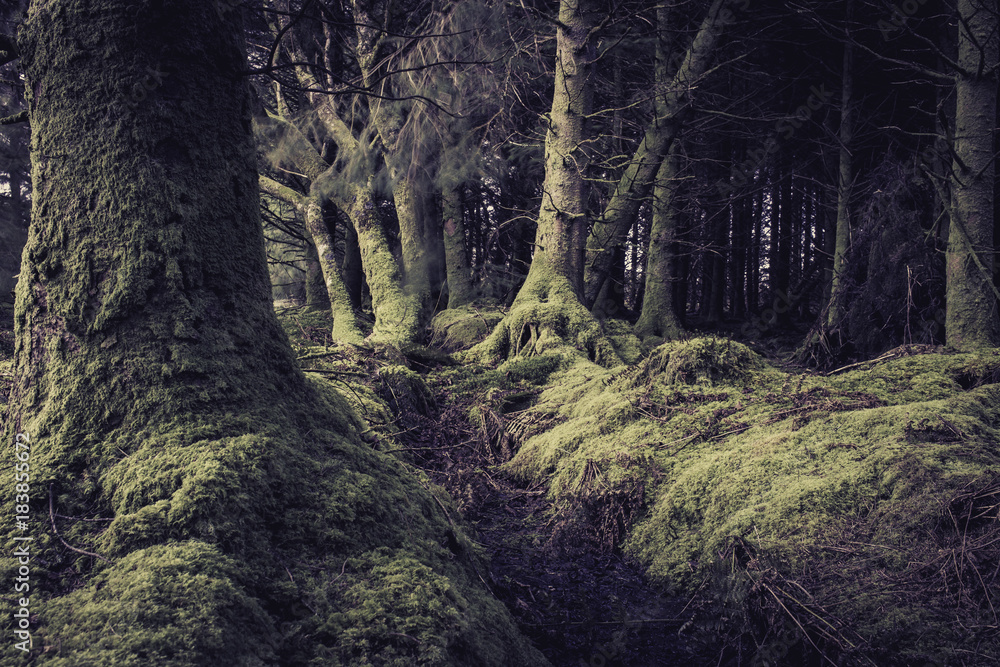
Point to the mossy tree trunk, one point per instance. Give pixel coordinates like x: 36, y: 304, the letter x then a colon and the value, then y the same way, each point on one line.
x: 159, y: 393
x: 406, y: 157
x: 310, y: 207
x: 658, y: 317
x: 396, y: 313
x: 548, y: 310
x: 562, y: 220
x: 317, y: 296
x: 611, y: 228
x: 971, y: 318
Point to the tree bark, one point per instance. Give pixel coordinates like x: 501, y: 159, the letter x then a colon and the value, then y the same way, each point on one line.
x: 611, y: 229
x: 310, y: 207
x: 658, y: 317
x: 461, y: 291
x: 971, y: 318
x: 155, y: 389
x: 845, y: 181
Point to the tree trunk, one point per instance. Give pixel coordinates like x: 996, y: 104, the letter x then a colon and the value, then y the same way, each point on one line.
x: 345, y: 325
x: 845, y: 181
x: 156, y: 396
x: 658, y: 316
x: 422, y: 251
x: 562, y: 220
x: 548, y: 311
x: 611, y: 229
x: 460, y: 288
x: 971, y: 318
x: 317, y: 296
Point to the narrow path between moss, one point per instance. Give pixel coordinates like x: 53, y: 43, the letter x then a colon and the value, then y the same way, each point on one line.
x: 580, y: 603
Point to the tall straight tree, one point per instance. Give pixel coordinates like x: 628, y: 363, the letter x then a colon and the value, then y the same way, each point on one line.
x: 157, y: 391
x: 971, y: 318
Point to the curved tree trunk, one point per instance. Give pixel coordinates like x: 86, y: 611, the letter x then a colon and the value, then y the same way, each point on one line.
x: 156, y: 392
x: 345, y: 325
x: 611, y: 229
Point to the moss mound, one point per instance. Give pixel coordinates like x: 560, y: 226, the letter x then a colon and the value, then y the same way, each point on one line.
x: 852, y: 516
x: 457, y: 329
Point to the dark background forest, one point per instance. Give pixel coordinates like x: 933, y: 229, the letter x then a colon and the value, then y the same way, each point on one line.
x: 802, y: 119
x: 553, y: 331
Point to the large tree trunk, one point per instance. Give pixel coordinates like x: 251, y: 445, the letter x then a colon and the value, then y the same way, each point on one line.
x: 971, y: 318
x: 157, y: 393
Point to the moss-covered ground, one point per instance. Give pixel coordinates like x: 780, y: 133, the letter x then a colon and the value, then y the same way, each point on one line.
x: 700, y: 505
x: 851, y: 518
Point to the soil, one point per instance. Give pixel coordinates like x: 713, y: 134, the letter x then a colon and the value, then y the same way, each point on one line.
x: 580, y: 602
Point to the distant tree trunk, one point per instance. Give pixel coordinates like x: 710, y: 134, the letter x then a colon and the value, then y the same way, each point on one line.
x: 317, y: 295
x: 658, y: 317
x: 460, y: 288
x: 971, y: 318
x: 155, y: 389
x: 345, y: 326
x: 397, y: 313
x: 611, y: 228
x: 422, y: 251
x: 845, y: 182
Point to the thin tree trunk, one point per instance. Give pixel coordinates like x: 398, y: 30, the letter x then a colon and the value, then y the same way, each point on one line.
x: 611, y: 228
x: 658, y: 317
x: 345, y: 326
x: 845, y: 181
x: 460, y: 288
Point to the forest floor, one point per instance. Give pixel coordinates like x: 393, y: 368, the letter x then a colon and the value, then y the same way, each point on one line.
x: 578, y: 601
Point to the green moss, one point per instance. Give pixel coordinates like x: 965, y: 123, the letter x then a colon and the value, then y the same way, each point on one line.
x: 176, y: 604
x: 850, y: 486
x: 404, y: 391
x: 546, y: 317
x: 172, y: 432
x: 460, y: 328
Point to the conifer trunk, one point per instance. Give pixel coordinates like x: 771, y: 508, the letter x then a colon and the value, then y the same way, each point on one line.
x: 971, y: 318
x: 845, y: 181
x: 460, y: 288
x: 611, y: 228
